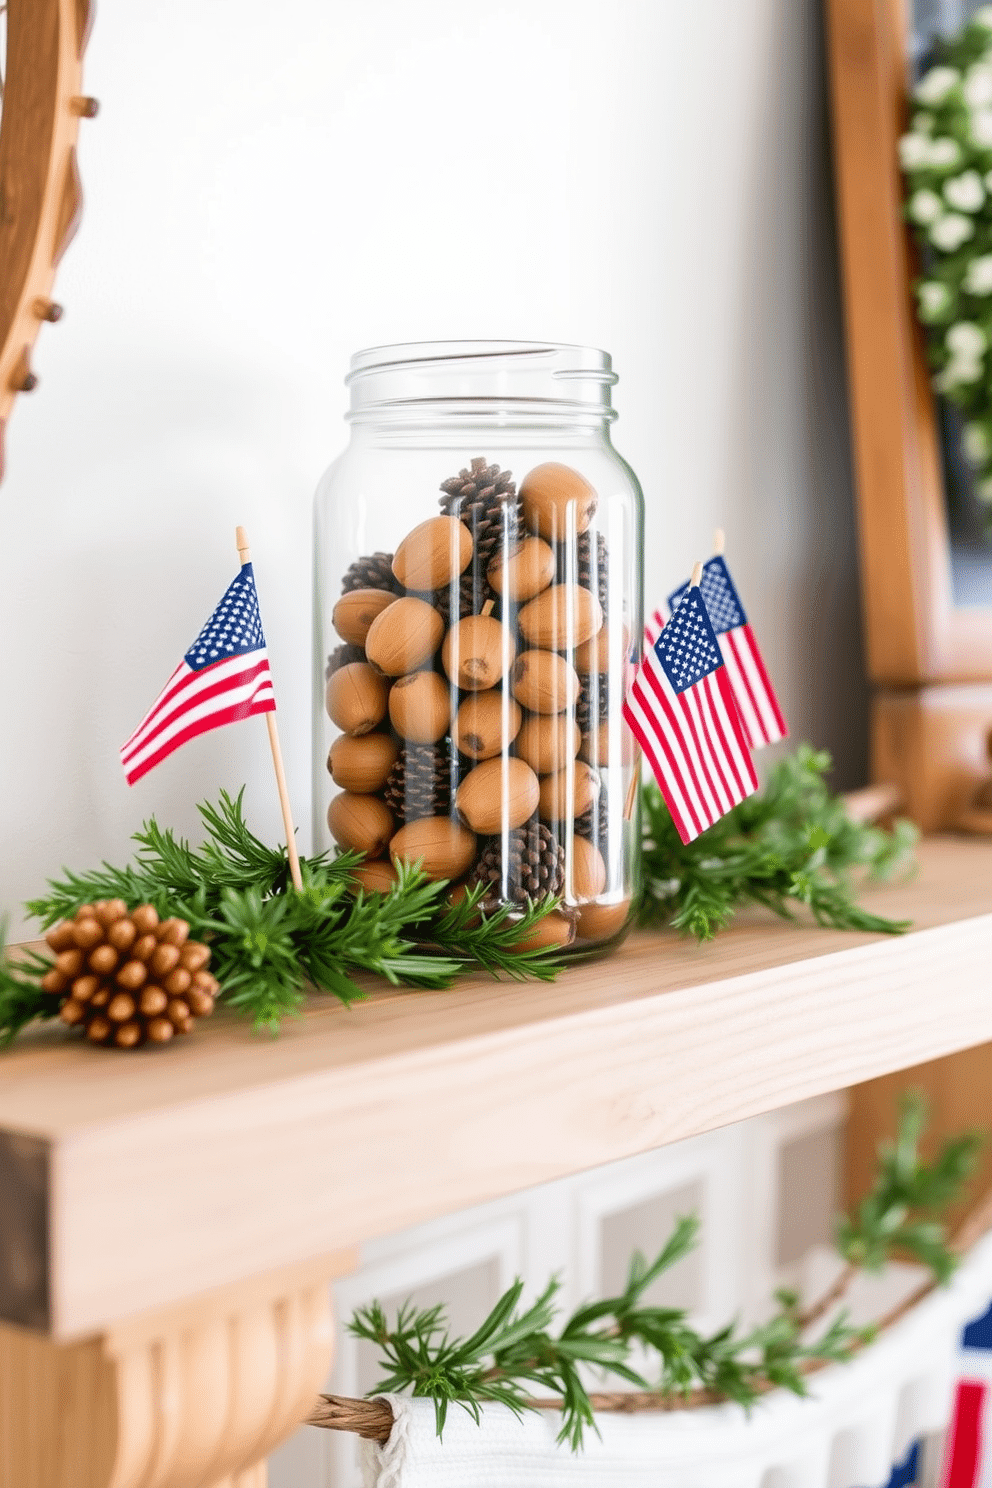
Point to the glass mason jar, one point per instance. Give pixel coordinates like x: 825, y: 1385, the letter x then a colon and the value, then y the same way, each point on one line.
x: 478, y: 611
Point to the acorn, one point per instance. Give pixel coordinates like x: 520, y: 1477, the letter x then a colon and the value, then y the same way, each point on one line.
x: 477, y: 651
x: 562, y: 798
x: 420, y: 707
x: 377, y: 877
x: 357, y: 697
x: 602, y: 921
x: 442, y: 847
x: 563, y: 616
x: 498, y: 795
x: 355, y: 611
x: 485, y: 724
x: 362, y: 763
x: 593, y: 655
x: 548, y: 741
x: 364, y: 823
x: 524, y: 571
x: 595, y: 748
x: 585, y: 870
x: 555, y: 929
x: 433, y: 554
x: 544, y: 682
x: 404, y: 636
x: 557, y: 501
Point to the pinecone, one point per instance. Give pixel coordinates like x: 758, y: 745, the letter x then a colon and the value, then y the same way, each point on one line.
x: 473, y: 592
x: 535, y: 865
x: 593, y: 823
x: 419, y: 784
x: 128, y: 977
x: 591, y: 571
x: 373, y: 572
x: 592, y: 705
x: 341, y: 656
x: 485, y: 498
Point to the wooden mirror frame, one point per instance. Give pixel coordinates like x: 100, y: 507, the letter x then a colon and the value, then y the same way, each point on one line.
x: 40, y: 193
x: 931, y: 660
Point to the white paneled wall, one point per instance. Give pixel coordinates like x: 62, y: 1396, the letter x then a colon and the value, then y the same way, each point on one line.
x: 740, y: 1181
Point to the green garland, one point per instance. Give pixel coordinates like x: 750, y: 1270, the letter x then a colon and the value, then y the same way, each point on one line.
x: 512, y: 1351
x: 792, y: 843
x: 946, y: 159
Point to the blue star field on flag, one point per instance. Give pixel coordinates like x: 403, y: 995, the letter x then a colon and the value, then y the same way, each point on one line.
x: 723, y: 603
x: 687, y: 647
x: 234, y: 627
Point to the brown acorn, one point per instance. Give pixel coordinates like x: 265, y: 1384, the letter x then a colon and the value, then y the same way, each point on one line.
x: 548, y: 741
x: 420, y: 707
x: 433, y: 554
x: 498, y: 795
x: 486, y: 724
x: 563, y: 797
x: 524, y: 571
x: 555, y: 929
x: 364, y: 823
x: 585, y: 870
x: 128, y: 977
x: 362, y: 763
x: 357, y: 697
x: 557, y: 501
x: 355, y: 611
x: 599, y: 922
x: 544, y: 682
x: 595, y: 748
x: 477, y: 652
x: 563, y: 617
x: 377, y: 877
x: 594, y: 654
x: 404, y: 637
x: 443, y: 847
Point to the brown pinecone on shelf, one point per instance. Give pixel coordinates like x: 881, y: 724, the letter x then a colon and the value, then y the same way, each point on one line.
x: 372, y: 572
x: 535, y: 865
x: 485, y: 498
x: 343, y: 655
x: 592, y: 570
x: 592, y: 705
x: 419, y: 784
x: 128, y: 977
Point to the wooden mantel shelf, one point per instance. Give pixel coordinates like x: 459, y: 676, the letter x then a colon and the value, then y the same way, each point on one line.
x: 130, y: 1183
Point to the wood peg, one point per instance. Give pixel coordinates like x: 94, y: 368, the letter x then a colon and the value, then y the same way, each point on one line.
x: 22, y: 379
x: 49, y: 310
x: 86, y: 108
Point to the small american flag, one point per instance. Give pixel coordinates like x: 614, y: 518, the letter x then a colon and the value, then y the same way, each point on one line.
x: 761, y: 715
x: 681, y: 709
x: 223, y: 677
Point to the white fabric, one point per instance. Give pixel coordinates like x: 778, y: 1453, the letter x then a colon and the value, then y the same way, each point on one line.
x: 860, y: 1418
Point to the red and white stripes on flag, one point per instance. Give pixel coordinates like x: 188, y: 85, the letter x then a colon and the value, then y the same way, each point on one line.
x: 681, y: 710
x: 223, y: 677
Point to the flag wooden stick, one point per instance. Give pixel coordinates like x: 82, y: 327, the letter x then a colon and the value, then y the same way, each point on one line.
x: 244, y: 553
x: 718, y: 542
x: 697, y: 575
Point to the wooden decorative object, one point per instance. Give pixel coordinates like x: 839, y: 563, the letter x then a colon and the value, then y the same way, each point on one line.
x: 40, y: 189
x: 917, y: 637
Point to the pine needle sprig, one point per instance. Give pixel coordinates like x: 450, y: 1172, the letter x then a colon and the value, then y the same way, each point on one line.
x: 792, y: 844
x: 517, y: 1350
x: 22, y: 999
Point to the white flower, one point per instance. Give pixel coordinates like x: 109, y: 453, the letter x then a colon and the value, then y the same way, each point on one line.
x: 978, y: 86
x: 981, y: 128
x: 925, y: 207
x: 958, y: 371
x: 944, y: 152
x: 965, y: 340
x: 934, y: 298
x: 984, y: 490
x: 914, y: 151
x: 951, y: 231
x: 937, y: 84
x: 975, y: 443
x: 965, y: 192
x: 978, y: 278
x: 983, y: 17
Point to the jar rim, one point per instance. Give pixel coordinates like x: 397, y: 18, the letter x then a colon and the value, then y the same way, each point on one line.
x: 585, y: 362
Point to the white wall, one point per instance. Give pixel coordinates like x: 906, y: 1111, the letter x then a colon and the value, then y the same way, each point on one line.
x: 271, y: 187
